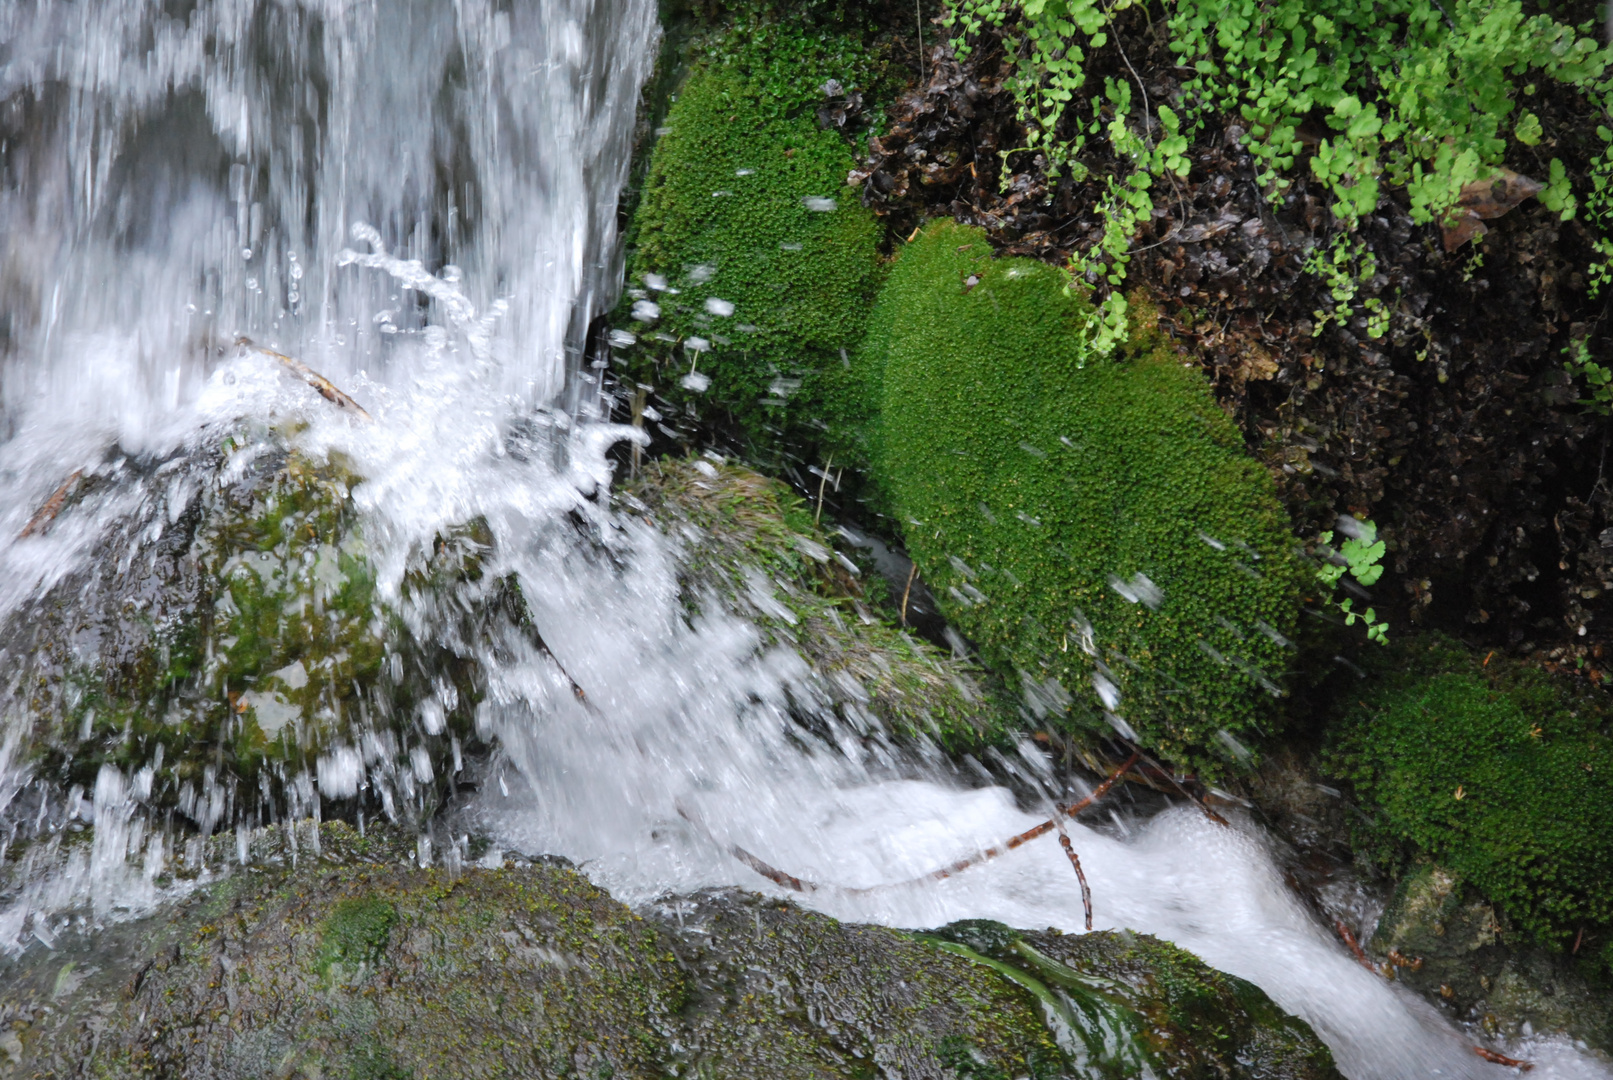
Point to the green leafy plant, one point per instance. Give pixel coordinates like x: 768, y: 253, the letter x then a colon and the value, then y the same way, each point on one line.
x: 1598, y: 378
x: 1361, y: 558
x: 1417, y: 95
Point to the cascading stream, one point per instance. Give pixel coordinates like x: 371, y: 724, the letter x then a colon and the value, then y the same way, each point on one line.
x: 419, y: 201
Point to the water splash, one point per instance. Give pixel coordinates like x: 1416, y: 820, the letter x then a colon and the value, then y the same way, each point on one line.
x: 175, y: 183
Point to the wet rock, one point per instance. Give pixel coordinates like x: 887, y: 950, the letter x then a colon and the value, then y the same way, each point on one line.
x: 1439, y: 936
x: 358, y: 962
x: 1132, y: 1002
x: 754, y: 549
x: 226, y: 648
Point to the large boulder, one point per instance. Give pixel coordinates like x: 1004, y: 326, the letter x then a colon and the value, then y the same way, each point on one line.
x: 225, y: 647
x: 358, y: 962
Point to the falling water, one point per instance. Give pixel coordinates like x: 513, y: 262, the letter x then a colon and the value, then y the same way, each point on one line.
x: 419, y: 200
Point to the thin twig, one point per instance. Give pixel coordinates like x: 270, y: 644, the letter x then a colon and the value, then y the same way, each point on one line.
x: 1502, y: 1059
x: 53, y: 506
x: 327, y: 389
x: 918, y: 17
x: 911, y: 574
x: 823, y: 479
x: 1170, y: 777
x: 790, y: 881
x: 1075, y: 861
x: 1355, y: 946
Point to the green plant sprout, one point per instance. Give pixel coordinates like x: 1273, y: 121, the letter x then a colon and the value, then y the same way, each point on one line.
x: 1362, y: 557
x: 1598, y: 379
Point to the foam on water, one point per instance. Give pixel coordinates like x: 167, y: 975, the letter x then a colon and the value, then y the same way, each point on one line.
x: 419, y: 200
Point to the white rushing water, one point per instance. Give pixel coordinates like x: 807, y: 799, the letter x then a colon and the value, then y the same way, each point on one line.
x: 418, y: 198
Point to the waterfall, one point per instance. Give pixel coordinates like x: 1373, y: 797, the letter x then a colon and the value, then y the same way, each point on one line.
x: 418, y: 199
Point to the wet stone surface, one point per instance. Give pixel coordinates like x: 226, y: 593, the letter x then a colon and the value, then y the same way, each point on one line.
x: 226, y: 644
x: 356, y: 962
x: 1439, y: 936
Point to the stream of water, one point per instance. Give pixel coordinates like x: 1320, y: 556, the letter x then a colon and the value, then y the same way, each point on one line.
x: 419, y: 199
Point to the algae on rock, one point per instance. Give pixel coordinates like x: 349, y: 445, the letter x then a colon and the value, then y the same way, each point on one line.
x: 354, y: 962
x: 1442, y: 938
x: 227, y: 636
x: 1094, y: 526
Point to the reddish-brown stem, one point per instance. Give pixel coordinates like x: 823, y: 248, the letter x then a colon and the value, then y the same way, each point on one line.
x: 1502, y: 1059
x: 53, y: 506
x: 790, y: 881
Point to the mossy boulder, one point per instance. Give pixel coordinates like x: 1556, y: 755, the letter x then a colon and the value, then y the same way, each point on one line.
x: 761, y: 260
x: 357, y: 962
x: 1498, y: 772
x: 751, y: 547
x: 228, y: 630
x: 1092, y: 524
x: 1441, y: 936
x: 1135, y: 1003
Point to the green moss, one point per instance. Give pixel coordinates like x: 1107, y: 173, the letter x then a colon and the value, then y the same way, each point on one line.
x: 356, y: 933
x: 256, y: 638
x: 1498, y: 771
x: 1028, y: 476
x: 1142, y: 1006
x: 726, y: 214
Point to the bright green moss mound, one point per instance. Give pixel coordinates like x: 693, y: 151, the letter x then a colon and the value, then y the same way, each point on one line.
x: 1035, y: 483
x: 746, y: 204
x: 1499, y: 771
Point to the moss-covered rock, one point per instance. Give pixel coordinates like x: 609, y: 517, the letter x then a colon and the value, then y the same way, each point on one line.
x: 1499, y: 772
x: 752, y: 548
x: 761, y: 260
x: 228, y: 630
x: 1090, y: 524
x: 1440, y: 936
x: 357, y: 963
x: 1134, y: 1002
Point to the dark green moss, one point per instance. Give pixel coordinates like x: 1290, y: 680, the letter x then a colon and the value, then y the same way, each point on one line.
x: 1495, y: 769
x: 746, y: 202
x: 1145, y: 1007
x: 1032, y: 478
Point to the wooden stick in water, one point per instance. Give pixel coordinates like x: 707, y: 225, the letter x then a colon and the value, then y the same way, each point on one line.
x: 1075, y: 861
x: 52, y: 506
x: 790, y: 881
x: 327, y: 389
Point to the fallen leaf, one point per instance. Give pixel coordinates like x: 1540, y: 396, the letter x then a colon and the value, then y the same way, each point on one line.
x: 1486, y: 200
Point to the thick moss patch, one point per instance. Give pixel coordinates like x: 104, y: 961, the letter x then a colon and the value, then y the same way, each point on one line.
x: 1093, y: 525
x: 746, y: 215
x: 1502, y: 773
